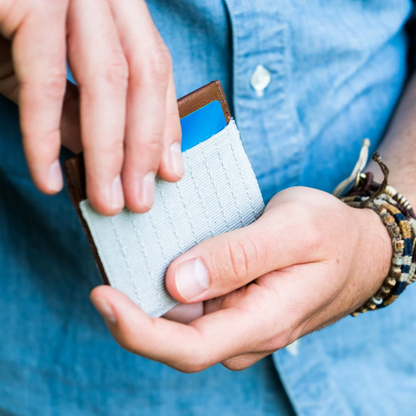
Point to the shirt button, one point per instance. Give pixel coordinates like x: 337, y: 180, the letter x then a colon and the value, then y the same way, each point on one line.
x: 260, y: 79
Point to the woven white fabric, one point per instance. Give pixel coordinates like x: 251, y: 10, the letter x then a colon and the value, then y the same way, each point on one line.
x: 218, y: 193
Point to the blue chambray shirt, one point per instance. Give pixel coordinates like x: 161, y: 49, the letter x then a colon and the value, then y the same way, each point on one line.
x: 337, y: 69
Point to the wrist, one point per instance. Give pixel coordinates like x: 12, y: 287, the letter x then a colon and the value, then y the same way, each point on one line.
x: 374, y: 251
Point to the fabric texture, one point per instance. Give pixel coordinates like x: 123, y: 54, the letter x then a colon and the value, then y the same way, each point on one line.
x: 337, y: 68
x: 218, y: 193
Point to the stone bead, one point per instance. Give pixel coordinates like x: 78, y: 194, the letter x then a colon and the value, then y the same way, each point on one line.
x: 377, y: 300
x: 399, y: 245
x: 385, y: 290
x: 396, y: 230
x: 382, y: 211
x: 395, y: 272
x: 397, y: 262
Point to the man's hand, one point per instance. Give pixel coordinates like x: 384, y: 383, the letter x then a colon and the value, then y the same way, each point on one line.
x: 124, y: 115
x: 306, y: 263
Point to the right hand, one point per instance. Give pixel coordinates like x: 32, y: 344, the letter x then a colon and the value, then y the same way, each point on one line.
x: 308, y: 261
x: 123, y: 115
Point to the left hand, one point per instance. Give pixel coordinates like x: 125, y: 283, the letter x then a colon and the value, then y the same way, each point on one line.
x: 306, y: 263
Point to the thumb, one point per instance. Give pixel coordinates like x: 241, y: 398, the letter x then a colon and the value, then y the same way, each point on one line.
x: 224, y: 263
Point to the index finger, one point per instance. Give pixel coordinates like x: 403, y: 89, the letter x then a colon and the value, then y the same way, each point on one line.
x: 190, y: 348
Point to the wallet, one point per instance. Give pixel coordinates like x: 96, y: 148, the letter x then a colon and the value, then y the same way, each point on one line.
x: 218, y: 193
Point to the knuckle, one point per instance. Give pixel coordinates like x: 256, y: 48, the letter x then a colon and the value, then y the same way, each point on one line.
x: 240, y: 255
x: 50, y: 139
x: 194, y: 366
x: 235, y: 364
x: 126, y: 343
x: 160, y: 67
x: 154, y: 142
x: 313, y: 238
x: 299, y: 209
x: 151, y: 144
x: 238, y: 259
x: 147, y: 153
x: 110, y: 148
x: 42, y: 142
x: 194, y: 362
x: 54, y: 84
x: 189, y: 368
x: 307, y: 226
x: 117, y: 70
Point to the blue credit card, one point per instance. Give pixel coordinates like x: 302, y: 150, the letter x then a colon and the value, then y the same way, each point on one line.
x: 202, y: 124
x: 197, y: 126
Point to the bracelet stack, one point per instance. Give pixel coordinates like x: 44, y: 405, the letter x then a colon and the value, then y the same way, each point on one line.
x: 399, y: 218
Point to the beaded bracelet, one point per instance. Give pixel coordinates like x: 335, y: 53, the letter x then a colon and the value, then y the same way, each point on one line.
x: 398, y: 217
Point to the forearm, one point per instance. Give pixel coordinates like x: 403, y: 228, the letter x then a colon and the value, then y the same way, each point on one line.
x: 398, y: 148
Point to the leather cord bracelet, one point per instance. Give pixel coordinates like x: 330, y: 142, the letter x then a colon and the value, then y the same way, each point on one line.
x: 398, y: 217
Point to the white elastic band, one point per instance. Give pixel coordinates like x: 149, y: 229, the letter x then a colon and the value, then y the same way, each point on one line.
x: 218, y: 193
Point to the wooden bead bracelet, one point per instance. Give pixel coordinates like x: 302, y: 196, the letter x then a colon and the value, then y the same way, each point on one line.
x: 399, y: 218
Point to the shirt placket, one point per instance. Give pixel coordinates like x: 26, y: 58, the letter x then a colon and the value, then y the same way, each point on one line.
x: 264, y: 112
x: 266, y: 116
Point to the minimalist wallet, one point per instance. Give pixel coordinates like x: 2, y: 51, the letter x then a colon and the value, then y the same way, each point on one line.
x: 218, y: 193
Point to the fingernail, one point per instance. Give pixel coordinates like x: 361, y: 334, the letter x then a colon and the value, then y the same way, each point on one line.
x: 117, y: 197
x: 147, y: 192
x: 55, y: 177
x: 191, y: 278
x: 106, y: 311
x: 176, y: 159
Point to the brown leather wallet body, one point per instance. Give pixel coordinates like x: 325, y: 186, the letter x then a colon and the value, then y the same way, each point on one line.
x: 75, y: 170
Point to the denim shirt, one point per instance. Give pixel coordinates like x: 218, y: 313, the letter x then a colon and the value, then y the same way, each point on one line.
x: 331, y: 74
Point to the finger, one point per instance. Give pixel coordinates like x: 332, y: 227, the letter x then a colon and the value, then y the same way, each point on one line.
x: 189, y: 348
x: 241, y: 362
x: 150, y: 69
x: 232, y: 299
x: 185, y: 313
x: 224, y: 263
x: 70, y: 126
x: 100, y: 69
x: 39, y: 56
x: 171, y: 166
